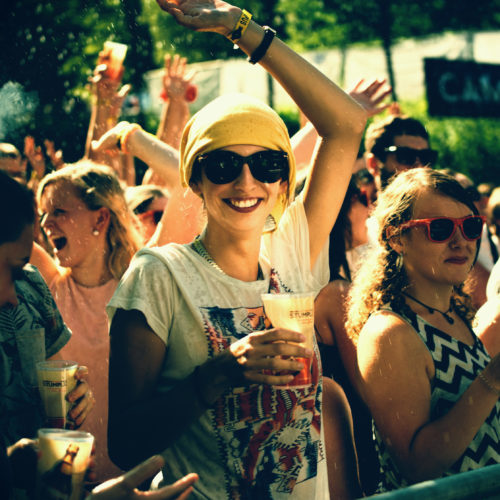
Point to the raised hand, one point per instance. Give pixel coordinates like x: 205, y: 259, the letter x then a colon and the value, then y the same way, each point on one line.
x: 371, y: 95
x: 203, y: 15
x: 107, y: 90
x: 108, y: 142
x: 56, y: 157
x: 176, y: 83
x: 35, y: 156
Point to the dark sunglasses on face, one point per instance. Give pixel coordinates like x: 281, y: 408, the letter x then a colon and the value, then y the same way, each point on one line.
x: 221, y: 166
x: 156, y: 214
x: 9, y: 155
x: 408, y: 156
x: 363, y: 198
x: 441, y: 229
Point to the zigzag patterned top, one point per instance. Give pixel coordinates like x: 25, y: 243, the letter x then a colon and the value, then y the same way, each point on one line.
x: 456, y: 365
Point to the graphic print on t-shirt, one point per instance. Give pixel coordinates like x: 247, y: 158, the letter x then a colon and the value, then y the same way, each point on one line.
x: 269, y: 438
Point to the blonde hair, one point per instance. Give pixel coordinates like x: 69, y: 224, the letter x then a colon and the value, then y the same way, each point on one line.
x: 380, y: 281
x: 98, y: 186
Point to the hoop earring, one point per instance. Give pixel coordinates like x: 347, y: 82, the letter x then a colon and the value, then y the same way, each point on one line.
x: 95, y: 232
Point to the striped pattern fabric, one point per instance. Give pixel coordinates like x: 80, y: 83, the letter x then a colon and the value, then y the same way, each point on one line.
x: 457, y: 365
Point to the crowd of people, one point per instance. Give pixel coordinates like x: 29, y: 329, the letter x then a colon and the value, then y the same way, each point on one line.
x: 152, y: 284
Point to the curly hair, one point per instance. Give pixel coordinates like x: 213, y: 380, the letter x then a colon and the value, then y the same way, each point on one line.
x: 98, y: 186
x: 380, y: 280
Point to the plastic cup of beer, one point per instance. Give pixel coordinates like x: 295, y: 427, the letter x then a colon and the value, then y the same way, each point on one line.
x: 116, y: 53
x: 63, y: 459
x: 55, y: 380
x: 294, y: 311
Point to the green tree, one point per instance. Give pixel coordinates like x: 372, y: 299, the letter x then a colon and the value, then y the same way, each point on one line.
x: 316, y: 24
x: 50, y: 50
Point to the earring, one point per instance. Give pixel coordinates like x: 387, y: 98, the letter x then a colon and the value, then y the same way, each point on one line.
x: 399, y: 261
x: 95, y: 232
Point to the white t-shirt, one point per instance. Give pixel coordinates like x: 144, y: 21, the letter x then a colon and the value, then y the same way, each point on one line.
x: 256, y: 441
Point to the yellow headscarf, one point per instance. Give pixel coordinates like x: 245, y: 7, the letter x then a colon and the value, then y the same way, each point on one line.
x: 234, y: 119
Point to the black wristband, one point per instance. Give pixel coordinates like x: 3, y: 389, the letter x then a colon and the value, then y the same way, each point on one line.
x: 261, y: 50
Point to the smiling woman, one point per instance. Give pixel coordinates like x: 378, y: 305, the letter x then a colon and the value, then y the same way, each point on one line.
x: 192, y: 353
x: 91, y: 231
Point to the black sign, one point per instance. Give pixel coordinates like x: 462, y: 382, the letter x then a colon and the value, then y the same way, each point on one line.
x: 462, y: 88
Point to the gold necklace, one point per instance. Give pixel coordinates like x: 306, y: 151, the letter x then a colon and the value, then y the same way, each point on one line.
x: 198, y: 246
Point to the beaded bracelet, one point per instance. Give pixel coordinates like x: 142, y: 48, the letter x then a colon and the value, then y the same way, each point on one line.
x: 488, y: 384
x: 124, y: 136
x: 240, y: 27
x: 261, y: 50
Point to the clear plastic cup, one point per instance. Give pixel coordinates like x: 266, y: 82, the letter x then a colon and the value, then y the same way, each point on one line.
x: 116, y: 53
x: 55, y: 380
x: 294, y: 311
x: 63, y: 460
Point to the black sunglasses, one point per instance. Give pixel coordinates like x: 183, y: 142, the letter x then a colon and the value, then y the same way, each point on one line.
x: 441, y: 229
x: 9, y: 155
x: 408, y: 156
x: 223, y: 166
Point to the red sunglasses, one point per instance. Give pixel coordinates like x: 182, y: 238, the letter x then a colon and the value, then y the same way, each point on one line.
x: 442, y: 229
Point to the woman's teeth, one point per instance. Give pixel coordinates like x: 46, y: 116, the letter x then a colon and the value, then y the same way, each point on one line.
x: 244, y: 203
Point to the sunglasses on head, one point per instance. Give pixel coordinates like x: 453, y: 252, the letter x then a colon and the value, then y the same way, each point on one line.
x: 221, y: 166
x: 408, y: 156
x: 441, y: 229
x: 155, y: 214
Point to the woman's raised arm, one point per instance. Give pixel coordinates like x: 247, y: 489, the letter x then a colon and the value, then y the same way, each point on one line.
x: 338, y: 119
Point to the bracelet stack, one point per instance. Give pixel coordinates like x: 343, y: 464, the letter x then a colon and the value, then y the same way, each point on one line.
x: 240, y: 28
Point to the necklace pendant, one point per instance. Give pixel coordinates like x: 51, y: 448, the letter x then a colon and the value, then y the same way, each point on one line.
x: 449, y: 319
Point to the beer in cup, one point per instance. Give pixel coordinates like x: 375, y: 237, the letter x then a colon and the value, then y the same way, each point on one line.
x: 55, y: 380
x: 63, y: 459
x: 294, y: 311
x: 116, y: 54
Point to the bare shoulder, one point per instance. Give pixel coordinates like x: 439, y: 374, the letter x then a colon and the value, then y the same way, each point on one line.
x: 387, y: 335
x: 331, y: 294
x: 386, y: 327
x: 394, y: 363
